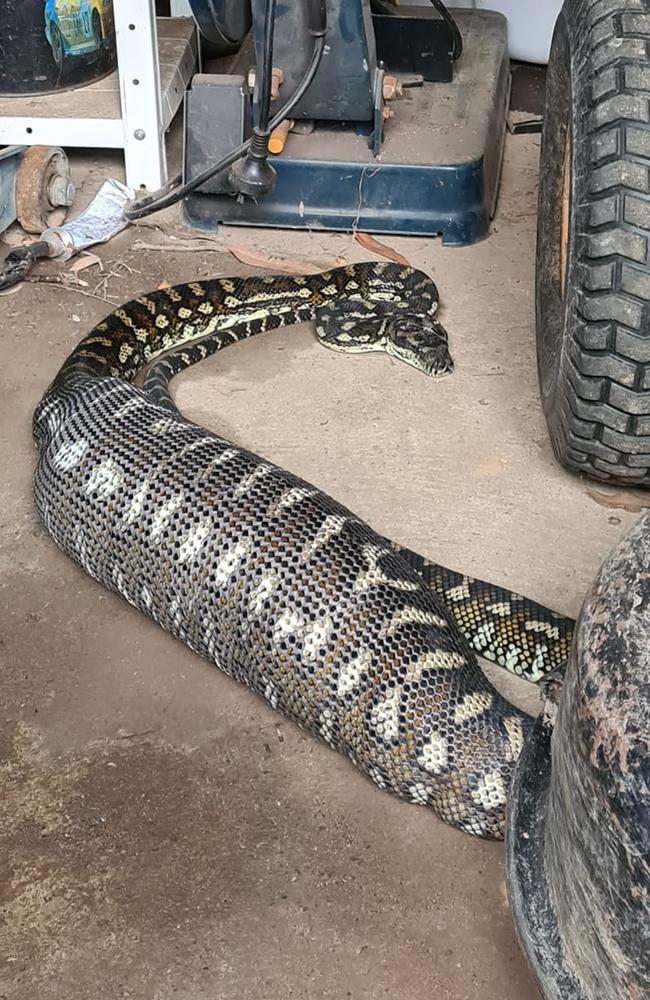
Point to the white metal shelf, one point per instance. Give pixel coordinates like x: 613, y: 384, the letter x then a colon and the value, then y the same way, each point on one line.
x: 130, y: 109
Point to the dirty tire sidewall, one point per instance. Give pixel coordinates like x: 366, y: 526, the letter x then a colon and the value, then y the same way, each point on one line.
x: 593, y: 335
x: 550, y: 303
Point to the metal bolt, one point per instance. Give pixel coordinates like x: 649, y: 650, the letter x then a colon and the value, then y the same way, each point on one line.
x: 61, y: 191
x: 277, y: 78
x: 139, y: 133
x: 391, y: 88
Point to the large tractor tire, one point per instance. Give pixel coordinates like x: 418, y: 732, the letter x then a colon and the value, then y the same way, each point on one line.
x: 593, y: 263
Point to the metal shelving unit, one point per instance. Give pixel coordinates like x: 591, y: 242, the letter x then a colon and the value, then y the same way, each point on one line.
x: 130, y: 109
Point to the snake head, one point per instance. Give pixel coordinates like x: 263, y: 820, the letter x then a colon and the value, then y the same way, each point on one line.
x: 418, y: 340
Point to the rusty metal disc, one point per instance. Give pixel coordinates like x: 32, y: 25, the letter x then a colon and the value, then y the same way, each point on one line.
x: 43, y: 184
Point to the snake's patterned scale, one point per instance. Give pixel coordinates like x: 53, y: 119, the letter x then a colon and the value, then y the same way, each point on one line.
x: 270, y: 579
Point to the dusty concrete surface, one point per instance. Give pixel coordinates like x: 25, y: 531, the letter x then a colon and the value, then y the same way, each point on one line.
x: 164, y: 833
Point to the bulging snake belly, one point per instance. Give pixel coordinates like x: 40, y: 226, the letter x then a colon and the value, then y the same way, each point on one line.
x: 361, y: 642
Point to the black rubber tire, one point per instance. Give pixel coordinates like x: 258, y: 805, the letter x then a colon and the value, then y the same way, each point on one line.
x: 593, y: 341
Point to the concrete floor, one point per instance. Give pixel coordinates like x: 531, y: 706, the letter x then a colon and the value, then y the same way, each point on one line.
x: 164, y: 833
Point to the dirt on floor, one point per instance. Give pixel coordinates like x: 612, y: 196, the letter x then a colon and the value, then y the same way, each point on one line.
x: 164, y: 833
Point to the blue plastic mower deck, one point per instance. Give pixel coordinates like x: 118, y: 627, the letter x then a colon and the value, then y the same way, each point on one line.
x: 437, y: 173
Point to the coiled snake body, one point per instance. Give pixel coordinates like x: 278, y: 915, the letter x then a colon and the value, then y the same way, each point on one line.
x: 361, y: 642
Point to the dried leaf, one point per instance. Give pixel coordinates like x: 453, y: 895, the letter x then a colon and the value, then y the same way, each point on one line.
x: 271, y: 263
x: 370, y: 243
x: 634, y: 503
x: 16, y: 237
x: 197, y: 245
x: 84, y: 261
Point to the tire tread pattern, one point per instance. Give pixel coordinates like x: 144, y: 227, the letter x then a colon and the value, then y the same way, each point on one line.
x: 602, y: 427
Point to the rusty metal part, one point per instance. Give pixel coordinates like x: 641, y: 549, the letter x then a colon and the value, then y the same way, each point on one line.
x: 43, y: 184
x: 303, y: 126
x: 277, y: 79
x: 578, y: 831
x: 391, y: 88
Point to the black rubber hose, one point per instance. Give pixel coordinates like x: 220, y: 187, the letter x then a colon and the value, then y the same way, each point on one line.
x: 457, y: 38
x: 161, y: 199
x: 265, y: 67
x: 317, y: 12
